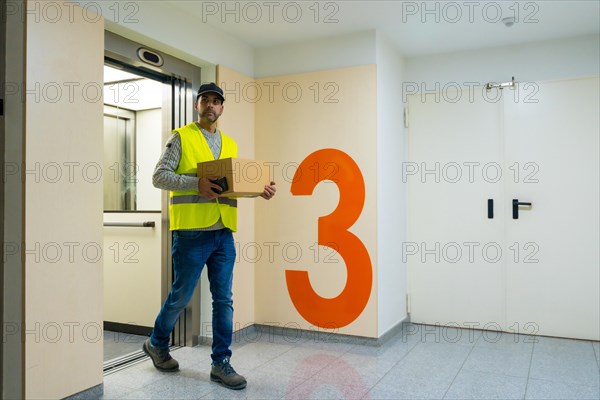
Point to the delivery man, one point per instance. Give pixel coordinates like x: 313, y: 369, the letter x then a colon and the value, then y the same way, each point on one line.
x: 202, y: 223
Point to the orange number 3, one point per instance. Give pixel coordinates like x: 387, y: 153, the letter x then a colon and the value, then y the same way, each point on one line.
x: 333, y: 229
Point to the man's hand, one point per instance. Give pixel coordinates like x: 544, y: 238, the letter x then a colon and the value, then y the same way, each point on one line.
x: 205, y: 187
x: 269, y: 191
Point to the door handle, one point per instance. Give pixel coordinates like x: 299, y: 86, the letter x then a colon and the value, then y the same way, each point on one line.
x: 515, y: 205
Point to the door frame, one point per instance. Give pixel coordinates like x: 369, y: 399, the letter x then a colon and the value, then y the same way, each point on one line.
x: 2, y: 96
x: 177, y: 111
x: 12, y: 197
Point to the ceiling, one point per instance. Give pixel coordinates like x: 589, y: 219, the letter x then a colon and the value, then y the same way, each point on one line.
x: 416, y: 27
x: 131, y: 92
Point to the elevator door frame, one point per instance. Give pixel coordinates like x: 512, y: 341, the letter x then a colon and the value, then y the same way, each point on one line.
x: 177, y: 110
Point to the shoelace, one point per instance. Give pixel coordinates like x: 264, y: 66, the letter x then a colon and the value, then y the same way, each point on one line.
x: 163, y: 353
x: 228, y: 369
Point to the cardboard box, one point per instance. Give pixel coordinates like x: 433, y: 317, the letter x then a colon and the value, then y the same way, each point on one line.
x: 245, y: 178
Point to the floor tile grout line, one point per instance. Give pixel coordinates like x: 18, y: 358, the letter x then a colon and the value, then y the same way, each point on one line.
x: 392, y: 367
x: 163, y: 376
x: 494, y: 372
x: 126, y: 392
x: 461, y: 366
x: 321, y: 369
x: 567, y: 383
x: 596, y: 354
x: 271, y: 359
x: 530, y: 365
x: 167, y: 391
x: 305, y: 379
x: 294, y: 387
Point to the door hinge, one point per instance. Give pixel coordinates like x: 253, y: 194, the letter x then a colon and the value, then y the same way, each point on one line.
x: 408, y: 303
x: 406, y: 116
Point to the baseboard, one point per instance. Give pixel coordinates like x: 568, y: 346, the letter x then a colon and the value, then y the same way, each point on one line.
x: 393, y: 331
x: 127, y: 328
x: 257, y: 332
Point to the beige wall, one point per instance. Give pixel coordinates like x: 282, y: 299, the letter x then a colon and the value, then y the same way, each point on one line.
x: 238, y: 122
x: 337, y: 109
x: 63, y: 300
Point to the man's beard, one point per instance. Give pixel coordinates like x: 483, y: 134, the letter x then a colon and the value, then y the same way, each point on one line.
x: 212, y: 118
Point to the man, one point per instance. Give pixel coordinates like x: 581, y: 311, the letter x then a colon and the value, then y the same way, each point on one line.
x: 202, y: 223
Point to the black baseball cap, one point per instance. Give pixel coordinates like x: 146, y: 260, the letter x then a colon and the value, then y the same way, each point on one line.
x: 210, y: 88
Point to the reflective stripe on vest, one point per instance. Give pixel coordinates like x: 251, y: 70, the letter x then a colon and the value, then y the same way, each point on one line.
x: 188, y: 210
x: 194, y: 198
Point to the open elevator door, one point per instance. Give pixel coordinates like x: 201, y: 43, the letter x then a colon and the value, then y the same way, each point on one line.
x: 148, y: 92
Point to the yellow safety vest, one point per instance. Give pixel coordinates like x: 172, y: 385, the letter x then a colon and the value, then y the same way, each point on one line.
x: 188, y: 210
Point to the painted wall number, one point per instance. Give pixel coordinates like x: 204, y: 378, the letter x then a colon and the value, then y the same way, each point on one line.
x: 333, y: 229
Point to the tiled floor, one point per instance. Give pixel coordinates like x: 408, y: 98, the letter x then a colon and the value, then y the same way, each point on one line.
x: 420, y: 363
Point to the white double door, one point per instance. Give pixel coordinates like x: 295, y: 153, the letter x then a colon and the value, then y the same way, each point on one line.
x: 538, y: 274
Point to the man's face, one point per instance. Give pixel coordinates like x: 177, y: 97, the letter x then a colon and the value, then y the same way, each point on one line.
x: 209, y: 107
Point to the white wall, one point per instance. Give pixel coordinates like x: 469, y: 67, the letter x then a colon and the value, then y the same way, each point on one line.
x: 316, y: 55
x: 566, y: 58
x: 391, y: 195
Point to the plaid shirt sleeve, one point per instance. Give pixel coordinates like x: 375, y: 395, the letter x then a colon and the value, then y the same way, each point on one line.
x: 164, y: 176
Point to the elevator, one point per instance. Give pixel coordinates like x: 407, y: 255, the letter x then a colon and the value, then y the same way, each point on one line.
x: 147, y: 94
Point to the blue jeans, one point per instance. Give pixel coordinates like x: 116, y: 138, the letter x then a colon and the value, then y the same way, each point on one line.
x: 191, y: 251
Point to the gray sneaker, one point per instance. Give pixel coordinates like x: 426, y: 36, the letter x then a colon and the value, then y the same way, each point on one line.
x: 224, y: 374
x: 161, y: 358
